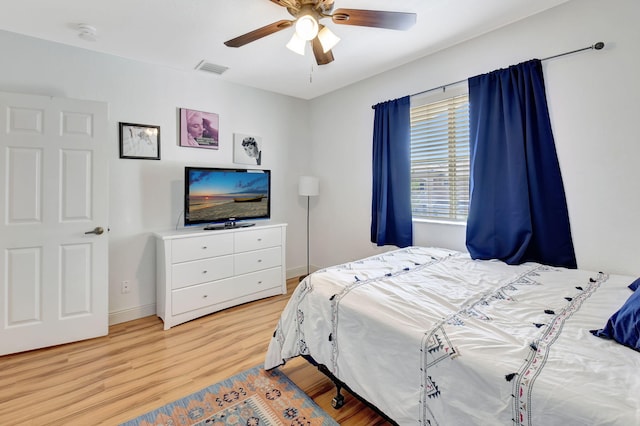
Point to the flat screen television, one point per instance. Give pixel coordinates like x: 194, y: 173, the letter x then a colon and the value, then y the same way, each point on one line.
x: 220, y: 197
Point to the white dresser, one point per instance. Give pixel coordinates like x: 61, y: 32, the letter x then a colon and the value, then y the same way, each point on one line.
x: 200, y: 272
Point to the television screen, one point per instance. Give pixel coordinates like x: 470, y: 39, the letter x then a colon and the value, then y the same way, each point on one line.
x: 216, y: 195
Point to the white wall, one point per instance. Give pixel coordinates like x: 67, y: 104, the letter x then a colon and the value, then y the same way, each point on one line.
x: 594, y: 105
x: 146, y: 196
x: 593, y: 100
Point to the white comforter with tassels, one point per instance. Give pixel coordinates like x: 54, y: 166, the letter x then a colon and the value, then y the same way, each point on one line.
x: 430, y: 336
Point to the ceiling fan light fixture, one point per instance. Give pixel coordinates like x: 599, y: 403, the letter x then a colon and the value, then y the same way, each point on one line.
x: 328, y: 39
x: 307, y: 27
x: 297, y: 44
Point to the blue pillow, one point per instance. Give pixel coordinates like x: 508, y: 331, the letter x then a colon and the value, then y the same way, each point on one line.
x: 634, y: 285
x: 624, y: 325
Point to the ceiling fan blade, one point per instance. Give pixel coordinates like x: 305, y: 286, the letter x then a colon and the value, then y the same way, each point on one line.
x: 259, y: 33
x: 322, y: 58
x: 374, y: 18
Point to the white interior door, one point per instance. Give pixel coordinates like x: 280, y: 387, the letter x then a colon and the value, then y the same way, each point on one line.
x: 53, y: 273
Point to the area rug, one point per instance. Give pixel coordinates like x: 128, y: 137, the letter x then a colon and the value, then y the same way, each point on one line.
x: 252, y: 398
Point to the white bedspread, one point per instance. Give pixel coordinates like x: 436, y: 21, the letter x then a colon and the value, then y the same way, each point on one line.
x: 431, y: 337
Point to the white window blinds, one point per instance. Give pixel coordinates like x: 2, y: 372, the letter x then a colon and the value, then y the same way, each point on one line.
x: 440, y: 159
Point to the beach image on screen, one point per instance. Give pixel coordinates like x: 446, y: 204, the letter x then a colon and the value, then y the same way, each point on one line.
x: 221, y: 195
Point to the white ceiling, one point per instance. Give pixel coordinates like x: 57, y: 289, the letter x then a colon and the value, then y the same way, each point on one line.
x: 181, y: 33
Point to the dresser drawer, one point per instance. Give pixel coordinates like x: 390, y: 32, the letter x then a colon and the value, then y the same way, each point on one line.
x: 256, y: 260
x: 261, y: 280
x: 199, y: 271
x: 257, y: 239
x: 217, y: 292
x: 201, y: 295
x: 194, y: 248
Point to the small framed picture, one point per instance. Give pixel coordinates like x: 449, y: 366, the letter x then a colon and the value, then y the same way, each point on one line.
x: 198, y: 129
x: 139, y: 141
x: 247, y: 149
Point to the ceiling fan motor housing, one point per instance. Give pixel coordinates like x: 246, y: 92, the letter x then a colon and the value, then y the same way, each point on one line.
x: 317, y: 8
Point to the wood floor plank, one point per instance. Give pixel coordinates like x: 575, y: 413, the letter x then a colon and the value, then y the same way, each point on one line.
x: 139, y: 367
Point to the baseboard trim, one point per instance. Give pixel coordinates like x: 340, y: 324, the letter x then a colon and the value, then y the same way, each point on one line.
x: 302, y: 270
x: 296, y: 272
x: 131, y: 314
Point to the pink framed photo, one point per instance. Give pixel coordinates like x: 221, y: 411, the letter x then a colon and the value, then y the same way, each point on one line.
x: 198, y: 129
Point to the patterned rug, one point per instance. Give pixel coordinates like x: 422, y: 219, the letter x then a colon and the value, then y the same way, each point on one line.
x: 252, y: 398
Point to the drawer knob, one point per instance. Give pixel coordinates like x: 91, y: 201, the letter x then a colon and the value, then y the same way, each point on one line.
x: 259, y: 282
x: 259, y: 260
x: 259, y: 239
x: 204, y: 272
x: 204, y: 247
x: 205, y: 296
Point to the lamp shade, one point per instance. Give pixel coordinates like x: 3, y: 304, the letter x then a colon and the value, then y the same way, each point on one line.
x: 328, y: 39
x: 308, y: 186
x: 296, y: 44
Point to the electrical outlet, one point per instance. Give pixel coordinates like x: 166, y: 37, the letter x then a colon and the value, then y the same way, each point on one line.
x: 126, y: 287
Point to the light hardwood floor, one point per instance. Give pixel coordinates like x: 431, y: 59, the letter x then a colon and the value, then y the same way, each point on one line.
x: 139, y: 367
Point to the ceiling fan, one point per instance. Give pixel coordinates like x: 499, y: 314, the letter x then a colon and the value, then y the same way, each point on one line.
x: 308, y: 13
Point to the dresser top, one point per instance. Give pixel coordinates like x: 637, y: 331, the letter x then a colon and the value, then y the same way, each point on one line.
x: 199, y: 231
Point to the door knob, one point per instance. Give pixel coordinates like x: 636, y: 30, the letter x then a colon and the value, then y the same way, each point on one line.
x: 97, y: 230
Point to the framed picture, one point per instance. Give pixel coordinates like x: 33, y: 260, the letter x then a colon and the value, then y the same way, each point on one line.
x: 198, y: 129
x: 247, y: 149
x: 140, y: 141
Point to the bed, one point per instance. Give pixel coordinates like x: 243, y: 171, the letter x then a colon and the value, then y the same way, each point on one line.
x: 432, y: 337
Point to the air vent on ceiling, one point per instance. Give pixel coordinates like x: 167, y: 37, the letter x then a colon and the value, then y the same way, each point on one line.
x: 212, y: 68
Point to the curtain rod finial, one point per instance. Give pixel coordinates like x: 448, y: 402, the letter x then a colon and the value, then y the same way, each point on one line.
x: 598, y: 46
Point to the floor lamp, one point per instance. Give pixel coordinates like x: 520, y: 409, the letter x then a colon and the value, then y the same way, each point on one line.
x: 308, y: 186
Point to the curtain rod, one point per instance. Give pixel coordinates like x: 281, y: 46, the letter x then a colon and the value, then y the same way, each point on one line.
x: 597, y: 46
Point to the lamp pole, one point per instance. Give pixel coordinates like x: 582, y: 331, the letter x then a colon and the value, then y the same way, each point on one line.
x: 301, y: 278
x: 308, y: 186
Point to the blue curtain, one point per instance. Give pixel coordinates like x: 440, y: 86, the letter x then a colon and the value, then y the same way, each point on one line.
x: 391, y: 195
x: 518, y: 210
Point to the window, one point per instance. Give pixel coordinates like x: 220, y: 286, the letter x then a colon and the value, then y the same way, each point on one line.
x: 440, y: 158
